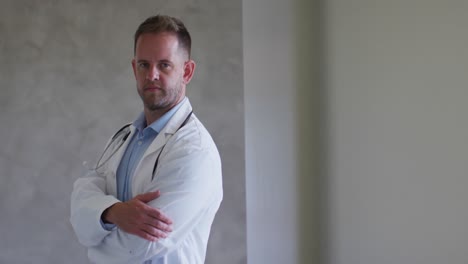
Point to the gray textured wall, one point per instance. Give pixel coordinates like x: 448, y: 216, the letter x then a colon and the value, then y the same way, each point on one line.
x: 66, y: 86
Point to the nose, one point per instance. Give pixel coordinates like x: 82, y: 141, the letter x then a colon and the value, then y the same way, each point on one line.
x: 153, y: 73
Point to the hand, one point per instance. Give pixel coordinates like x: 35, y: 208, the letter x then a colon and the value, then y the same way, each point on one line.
x: 137, y: 218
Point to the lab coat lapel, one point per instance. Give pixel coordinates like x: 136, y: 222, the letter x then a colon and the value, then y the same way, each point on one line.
x: 114, y: 162
x: 147, y: 161
x: 171, y: 127
x: 111, y: 170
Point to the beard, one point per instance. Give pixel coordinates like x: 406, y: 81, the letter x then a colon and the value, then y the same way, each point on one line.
x: 161, y: 99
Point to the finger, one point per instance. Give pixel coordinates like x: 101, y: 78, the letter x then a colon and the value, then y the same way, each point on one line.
x: 158, y: 215
x: 148, y: 197
x: 159, y: 225
x: 153, y: 232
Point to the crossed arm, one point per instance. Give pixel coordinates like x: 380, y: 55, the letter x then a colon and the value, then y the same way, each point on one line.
x: 138, y: 218
x: 185, y: 192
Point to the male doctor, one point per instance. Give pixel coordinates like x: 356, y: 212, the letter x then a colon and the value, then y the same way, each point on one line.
x: 154, y: 193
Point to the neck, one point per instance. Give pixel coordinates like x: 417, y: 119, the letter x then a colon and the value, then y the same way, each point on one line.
x: 153, y: 115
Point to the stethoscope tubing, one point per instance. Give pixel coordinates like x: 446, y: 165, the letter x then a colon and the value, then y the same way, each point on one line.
x: 114, y: 138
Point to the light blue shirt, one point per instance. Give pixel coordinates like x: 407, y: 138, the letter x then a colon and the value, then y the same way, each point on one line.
x: 140, y: 141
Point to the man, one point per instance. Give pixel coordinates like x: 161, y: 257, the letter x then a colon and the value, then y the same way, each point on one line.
x: 156, y: 189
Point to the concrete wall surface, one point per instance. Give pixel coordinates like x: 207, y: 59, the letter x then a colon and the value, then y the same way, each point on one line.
x: 397, y: 107
x: 66, y: 85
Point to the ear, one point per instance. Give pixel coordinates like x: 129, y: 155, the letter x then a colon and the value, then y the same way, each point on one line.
x: 134, y: 68
x: 189, y: 70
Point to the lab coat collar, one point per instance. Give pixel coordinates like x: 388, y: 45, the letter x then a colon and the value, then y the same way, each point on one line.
x: 171, y: 127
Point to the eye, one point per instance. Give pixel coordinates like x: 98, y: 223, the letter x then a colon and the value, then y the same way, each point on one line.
x: 164, y: 65
x: 143, y: 65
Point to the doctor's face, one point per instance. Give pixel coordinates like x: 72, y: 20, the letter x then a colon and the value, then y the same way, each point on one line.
x: 162, y: 70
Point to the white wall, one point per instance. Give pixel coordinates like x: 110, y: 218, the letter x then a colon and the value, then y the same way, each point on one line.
x: 397, y: 122
x: 269, y: 126
x: 280, y: 85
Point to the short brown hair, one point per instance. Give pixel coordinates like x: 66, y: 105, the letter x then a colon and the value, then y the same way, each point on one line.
x: 162, y: 23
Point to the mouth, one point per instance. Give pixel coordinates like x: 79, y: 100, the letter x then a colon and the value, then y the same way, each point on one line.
x: 152, y: 89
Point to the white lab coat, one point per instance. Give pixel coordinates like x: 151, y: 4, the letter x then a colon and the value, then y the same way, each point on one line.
x: 189, y: 178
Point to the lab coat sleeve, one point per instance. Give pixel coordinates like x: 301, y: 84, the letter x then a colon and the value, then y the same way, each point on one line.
x: 88, y: 202
x: 190, y: 183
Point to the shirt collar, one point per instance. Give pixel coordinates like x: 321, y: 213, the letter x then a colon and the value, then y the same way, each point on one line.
x: 158, y: 125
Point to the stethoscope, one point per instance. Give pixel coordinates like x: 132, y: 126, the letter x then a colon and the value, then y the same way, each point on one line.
x: 121, y: 136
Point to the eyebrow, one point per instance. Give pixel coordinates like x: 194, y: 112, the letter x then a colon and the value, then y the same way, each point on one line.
x: 163, y: 60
